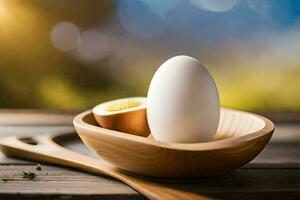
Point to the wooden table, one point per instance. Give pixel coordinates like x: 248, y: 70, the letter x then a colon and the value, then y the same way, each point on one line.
x: 274, y: 174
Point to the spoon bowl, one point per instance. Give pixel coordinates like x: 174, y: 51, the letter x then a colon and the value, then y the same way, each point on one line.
x: 241, y: 136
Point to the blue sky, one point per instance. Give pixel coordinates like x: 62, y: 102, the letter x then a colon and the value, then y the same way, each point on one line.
x: 208, y: 19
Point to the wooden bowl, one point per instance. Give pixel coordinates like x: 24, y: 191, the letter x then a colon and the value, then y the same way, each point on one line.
x: 241, y: 137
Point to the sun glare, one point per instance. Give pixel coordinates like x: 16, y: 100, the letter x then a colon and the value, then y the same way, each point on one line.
x: 3, y: 10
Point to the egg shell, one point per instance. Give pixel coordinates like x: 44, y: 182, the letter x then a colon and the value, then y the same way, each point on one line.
x: 131, y: 121
x: 183, y: 103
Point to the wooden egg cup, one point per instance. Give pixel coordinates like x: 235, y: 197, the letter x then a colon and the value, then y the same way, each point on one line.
x: 241, y: 136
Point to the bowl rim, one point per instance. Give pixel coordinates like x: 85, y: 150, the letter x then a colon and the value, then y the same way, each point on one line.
x: 210, y: 145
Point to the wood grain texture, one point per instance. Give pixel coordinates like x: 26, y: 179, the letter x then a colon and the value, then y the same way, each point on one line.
x: 272, y: 175
x: 264, y: 183
x: 43, y: 149
x: 240, y: 138
x: 35, y: 117
x: 282, y: 151
x: 60, y: 182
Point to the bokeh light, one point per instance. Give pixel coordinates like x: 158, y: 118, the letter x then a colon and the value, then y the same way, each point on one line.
x: 215, y: 5
x: 93, y: 45
x: 55, y: 54
x: 65, y: 36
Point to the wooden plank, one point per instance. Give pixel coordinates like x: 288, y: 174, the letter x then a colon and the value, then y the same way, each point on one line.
x: 59, y: 181
x: 283, y: 151
x: 278, y: 155
x: 35, y: 117
x: 32, y: 130
x: 274, y: 174
x: 286, y: 132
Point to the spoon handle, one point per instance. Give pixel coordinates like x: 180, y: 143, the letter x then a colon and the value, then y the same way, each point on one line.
x: 43, y: 149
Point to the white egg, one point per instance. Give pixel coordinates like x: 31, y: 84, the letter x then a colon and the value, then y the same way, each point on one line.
x: 183, y: 102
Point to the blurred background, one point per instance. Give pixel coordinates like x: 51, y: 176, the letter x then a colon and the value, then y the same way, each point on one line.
x: 73, y: 54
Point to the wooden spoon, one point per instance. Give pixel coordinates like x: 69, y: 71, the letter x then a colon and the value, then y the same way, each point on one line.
x: 44, y: 149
